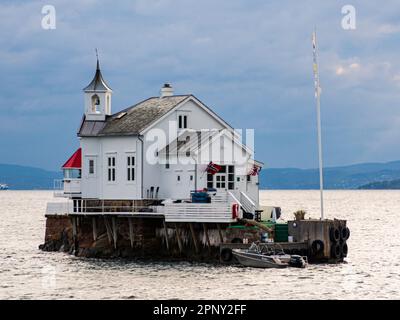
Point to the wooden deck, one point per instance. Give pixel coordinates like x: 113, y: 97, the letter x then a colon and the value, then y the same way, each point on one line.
x: 174, y: 212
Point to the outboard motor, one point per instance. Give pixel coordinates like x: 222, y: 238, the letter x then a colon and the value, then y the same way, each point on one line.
x: 297, y: 261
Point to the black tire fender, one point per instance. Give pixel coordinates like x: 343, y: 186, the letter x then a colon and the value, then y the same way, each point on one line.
x: 344, y: 249
x: 344, y: 233
x: 334, y: 234
x: 317, y: 246
x: 226, y: 255
x: 336, y: 250
x: 237, y: 240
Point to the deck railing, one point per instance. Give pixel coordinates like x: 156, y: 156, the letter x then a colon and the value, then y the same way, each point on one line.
x: 219, y: 211
x: 247, y: 204
x: 172, y: 212
x: 67, y: 187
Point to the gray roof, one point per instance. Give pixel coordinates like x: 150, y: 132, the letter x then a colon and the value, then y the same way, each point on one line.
x: 98, y: 83
x: 132, y: 120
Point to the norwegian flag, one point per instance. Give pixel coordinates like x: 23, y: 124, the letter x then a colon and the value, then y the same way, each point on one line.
x: 213, y: 168
x: 255, y: 170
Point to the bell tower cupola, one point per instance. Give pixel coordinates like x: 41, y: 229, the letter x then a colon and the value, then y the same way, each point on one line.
x: 97, y: 97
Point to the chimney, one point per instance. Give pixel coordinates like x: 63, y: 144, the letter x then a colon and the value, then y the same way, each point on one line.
x: 166, y: 91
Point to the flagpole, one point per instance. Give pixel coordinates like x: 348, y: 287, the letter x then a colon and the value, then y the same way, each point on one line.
x: 318, y: 99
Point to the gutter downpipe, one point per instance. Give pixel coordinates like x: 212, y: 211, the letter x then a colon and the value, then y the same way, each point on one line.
x: 141, y: 176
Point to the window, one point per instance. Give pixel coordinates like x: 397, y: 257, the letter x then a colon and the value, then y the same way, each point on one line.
x: 220, y: 181
x: 111, y: 168
x: 182, y: 122
x: 178, y: 178
x: 191, y: 178
x: 167, y: 157
x: 231, y: 177
x: 210, y: 181
x: 248, y: 178
x: 91, y: 166
x: 130, y: 162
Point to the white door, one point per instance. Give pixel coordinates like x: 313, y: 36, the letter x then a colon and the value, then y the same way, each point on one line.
x: 220, y: 181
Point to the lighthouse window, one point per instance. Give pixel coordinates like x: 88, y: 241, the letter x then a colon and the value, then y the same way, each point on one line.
x: 111, y: 169
x: 130, y: 168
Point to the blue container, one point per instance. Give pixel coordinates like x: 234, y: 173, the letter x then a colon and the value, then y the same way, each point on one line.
x: 200, y: 197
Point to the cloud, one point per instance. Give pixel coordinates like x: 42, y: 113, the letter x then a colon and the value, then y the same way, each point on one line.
x: 251, y: 64
x: 389, y: 29
x: 351, y: 68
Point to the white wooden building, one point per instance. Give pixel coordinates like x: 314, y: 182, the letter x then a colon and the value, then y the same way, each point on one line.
x: 159, y: 148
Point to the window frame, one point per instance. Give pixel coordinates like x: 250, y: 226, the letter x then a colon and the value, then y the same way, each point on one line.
x: 111, y: 165
x: 131, y: 167
x: 183, y: 120
x: 87, y: 172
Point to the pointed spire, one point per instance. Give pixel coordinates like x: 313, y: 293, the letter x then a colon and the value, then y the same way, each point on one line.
x: 98, y: 64
x: 98, y: 83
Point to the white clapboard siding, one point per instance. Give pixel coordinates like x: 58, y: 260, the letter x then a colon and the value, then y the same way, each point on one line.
x: 198, y: 212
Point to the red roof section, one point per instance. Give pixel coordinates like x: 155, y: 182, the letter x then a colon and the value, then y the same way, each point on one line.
x: 75, y: 162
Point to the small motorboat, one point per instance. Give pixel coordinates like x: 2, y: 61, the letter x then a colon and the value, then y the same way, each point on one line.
x: 257, y: 260
x: 3, y: 186
x: 263, y: 257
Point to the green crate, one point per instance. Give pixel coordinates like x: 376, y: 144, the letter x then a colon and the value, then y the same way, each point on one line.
x: 281, y: 232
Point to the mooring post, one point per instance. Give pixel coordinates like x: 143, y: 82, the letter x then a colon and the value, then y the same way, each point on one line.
x: 75, y: 234
x: 220, y: 233
x: 74, y: 231
x: 94, y: 228
x: 108, y: 229
x: 166, y: 234
x: 196, y: 245
x: 130, y: 231
x: 178, y: 238
x: 114, y: 226
x: 207, y: 237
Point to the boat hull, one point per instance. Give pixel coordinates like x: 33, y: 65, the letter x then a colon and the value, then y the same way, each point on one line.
x: 258, y: 261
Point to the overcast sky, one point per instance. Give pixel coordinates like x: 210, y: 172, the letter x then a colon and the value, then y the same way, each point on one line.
x: 250, y: 61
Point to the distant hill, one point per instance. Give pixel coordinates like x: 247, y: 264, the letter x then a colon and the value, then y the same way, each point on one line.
x: 345, y: 177
x: 27, y: 178
x: 358, y: 176
x: 382, y: 185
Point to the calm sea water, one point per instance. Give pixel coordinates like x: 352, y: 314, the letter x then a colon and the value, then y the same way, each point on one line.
x: 372, y: 269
